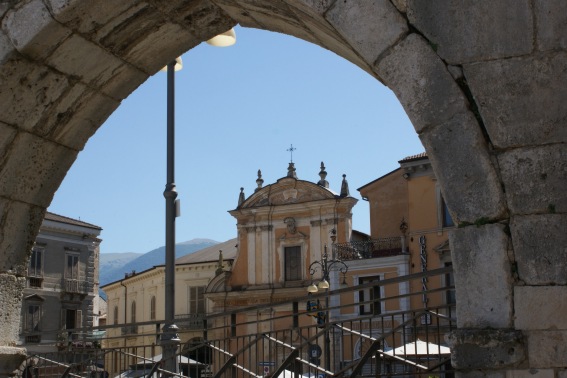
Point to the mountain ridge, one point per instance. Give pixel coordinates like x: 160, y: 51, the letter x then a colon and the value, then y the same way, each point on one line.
x: 113, y: 266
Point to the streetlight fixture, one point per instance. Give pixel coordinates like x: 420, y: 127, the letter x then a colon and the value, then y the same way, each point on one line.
x: 169, y: 338
x: 326, y: 266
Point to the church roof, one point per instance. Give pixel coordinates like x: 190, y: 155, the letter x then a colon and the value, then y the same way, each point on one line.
x: 211, y: 253
x: 289, y: 190
x: 61, y: 219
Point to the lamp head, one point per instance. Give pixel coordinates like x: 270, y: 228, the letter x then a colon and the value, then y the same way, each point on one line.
x: 228, y: 38
x: 178, y: 65
x: 312, y: 288
x: 323, y: 284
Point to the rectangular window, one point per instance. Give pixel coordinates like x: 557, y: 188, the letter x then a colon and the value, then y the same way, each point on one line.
x: 33, y: 316
x: 72, y: 267
x: 36, y: 263
x: 196, y: 300
x: 369, y: 297
x: 292, y: 268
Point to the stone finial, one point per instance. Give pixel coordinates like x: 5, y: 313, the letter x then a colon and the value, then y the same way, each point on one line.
x: 323, y: 174
x: 259, y: 181
x: 220, y: 266
x: 291, y: 171
x: 344, y: 187
x: 241, y: 197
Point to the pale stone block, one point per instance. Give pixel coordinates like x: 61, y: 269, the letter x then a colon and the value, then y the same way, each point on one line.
x: 483, y: 278
x: 535, y: 178
x: 370, y: 27
x: 34, y: 169
x: 420, y: 80
x: 540, y: 307
x: 521, y: 100
x: 287, y: 25
x: 547, y: 349
x: 551, y: 23
x: 471, y: 187
x: 540, y: 248
x: 32, y: 30
x: 27, y: 90
x: 486, y: 349
x: 10, y: 304
x: 21, y: 221
x: 85, y: 60
x: 531, y: 373
x: 471, y: 30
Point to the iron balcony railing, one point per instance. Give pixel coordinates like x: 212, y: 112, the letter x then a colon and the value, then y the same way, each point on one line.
x: 75, y: 286
x: 369, y: 249
x: 190, y: 321
x: 288, y: 339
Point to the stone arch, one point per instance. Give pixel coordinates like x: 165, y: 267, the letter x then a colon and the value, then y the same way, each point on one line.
x: 466, y: 74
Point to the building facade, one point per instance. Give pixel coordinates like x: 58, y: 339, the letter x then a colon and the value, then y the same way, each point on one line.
x: 61, y: 295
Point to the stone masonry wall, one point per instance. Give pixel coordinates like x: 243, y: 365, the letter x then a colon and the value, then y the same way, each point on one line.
x: 483, y: 81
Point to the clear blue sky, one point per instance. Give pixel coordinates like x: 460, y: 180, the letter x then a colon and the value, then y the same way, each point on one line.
x: 238, y: 109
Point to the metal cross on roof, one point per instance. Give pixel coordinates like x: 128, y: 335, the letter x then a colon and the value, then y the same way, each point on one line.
x: 291, y: 149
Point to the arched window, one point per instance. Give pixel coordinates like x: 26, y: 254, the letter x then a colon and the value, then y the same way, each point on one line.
x: 133, y: 312
x: 115, y: 318
x: 153, y: 308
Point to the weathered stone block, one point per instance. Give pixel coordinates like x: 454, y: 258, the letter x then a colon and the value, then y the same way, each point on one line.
x: 547, y: 349
x: 238, y: 14
x: 535, y: 178
x: 472, y: 30
x: 85, y: 60
x: 483, y: 279
x: 471, y: 187
x: 540, y: 307
x: 422, y: 83
x: 8, y: 134
x: 521, y: 100
x: 86, y: 16
x: 291, y: 25
x: 562, y: 374
x: 91, y: 112
x: 540, y: 248
x: 480, y: 374
x: 32, y: 30
x: 26, y: 91
x: 319, y: 7
x: 531, y: 373
x: 34, y: 169
x: 125, y: 80
x: 202, y: 18
x: 486, y: 349
x: 10, y: 360
x: 551, y: 20
x: 11, y: 301
x: 370, y: 27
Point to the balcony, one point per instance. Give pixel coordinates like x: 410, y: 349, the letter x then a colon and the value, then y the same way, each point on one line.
x: 36, y: 282
x: 370, y: 249
x: 75, y: 286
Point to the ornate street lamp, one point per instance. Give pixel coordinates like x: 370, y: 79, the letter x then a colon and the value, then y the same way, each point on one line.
x: 169, y: 338
x: 326, y: 266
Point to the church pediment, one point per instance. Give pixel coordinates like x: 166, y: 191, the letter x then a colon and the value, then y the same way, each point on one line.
x: 288, y: 191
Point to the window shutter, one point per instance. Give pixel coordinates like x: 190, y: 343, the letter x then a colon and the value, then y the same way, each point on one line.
x: 63, y: 318
x: 79, y: 319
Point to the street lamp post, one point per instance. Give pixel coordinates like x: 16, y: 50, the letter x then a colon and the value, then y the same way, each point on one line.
x: 169, y: 338
x: 326, y: 266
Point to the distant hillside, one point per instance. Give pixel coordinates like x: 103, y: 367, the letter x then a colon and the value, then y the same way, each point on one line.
x: 114, y: 265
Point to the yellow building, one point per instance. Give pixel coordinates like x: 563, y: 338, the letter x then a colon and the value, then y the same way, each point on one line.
x: 136, y: 307
x: 408, y: 202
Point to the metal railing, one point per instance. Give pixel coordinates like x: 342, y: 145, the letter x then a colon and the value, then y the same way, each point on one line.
x: 75, y: 286
x: 285, y: 339
x: 368, y: 249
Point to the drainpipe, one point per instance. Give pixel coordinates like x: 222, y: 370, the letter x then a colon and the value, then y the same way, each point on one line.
x: 125, y: 301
